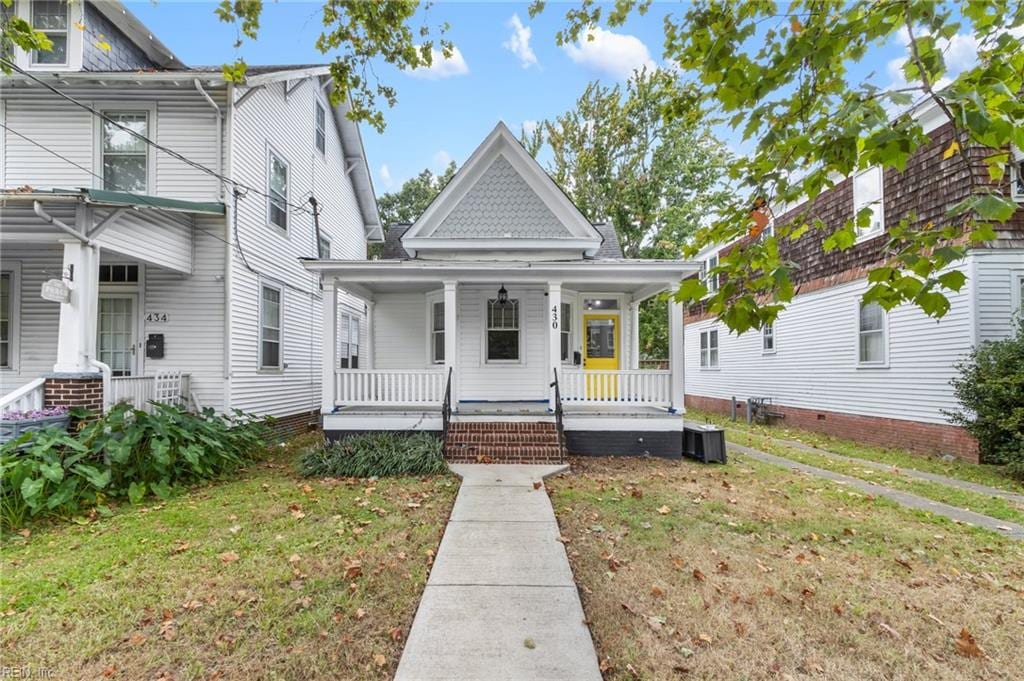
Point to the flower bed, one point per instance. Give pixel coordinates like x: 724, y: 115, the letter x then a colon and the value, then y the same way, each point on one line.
x: 14, y: 424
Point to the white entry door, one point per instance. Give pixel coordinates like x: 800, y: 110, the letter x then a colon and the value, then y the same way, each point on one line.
x: 116, y: 332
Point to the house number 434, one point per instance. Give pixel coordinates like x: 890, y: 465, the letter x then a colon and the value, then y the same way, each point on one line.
x: 156, y: 317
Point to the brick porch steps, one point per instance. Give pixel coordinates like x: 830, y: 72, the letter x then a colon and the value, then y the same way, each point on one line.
x: 503, y: 442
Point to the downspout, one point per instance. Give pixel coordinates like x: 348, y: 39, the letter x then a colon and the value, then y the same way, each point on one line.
x: 107, y: 373
x: 229, y: 216
x: 220, y: 116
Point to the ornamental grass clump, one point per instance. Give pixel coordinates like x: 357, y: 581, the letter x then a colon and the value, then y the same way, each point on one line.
x: 376, y: 455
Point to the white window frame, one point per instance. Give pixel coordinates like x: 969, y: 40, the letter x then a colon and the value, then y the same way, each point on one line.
x: 13, y: 270
x: 710, y: 280
x: 323, y: 245
x: 271, y: 155
x: 768, y: 335
x: 69, y: 22
x: 130, y: 106
x: 319, y: 132
x: 435, y: 298
x: 280, y: 366
x: 520, y: 300
x: 878, y: 207
x: 76, y: 40
x: 1016, y: 295
x: 884, y: 362
x: 705, y: 350
x: 1016, y: 175
x: 348, y: 321
x: 567, y: 319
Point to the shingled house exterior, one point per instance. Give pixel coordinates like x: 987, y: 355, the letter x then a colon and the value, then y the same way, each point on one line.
x: 833, y: 365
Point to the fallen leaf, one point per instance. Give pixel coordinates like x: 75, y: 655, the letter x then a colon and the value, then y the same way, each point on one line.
x: 353, y: 569
x: 967, y: 646
x: 537, y: 484
x: 181, y: 547
x: 294, y: 558
x: 360, y: 613
x: 25, y: 533
x: 529, y: 643
x: 698, y: 575
x: 136, y: 639
x: 664, y: 510
x: 109, y: 671
x: 380, y: 660
x: 228, y: 557
x: 657, y: 591
x: 395, y: 633
x: 950, y: 150
x: 723, y: 567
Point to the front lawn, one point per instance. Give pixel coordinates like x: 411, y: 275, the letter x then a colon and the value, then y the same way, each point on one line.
x: 268, y: 576
x: 753, y: 571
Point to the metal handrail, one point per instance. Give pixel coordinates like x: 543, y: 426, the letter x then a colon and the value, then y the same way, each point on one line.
x: 446, y: 407
x: 558, y: 414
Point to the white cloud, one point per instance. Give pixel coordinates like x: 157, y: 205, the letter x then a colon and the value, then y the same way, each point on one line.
x: 385, y: 176
x: 615, y: 54
x: 441, y: 159
x: 529, y: 126
x: 959, y: 52
x: 439, y: 68
x: 519, y: 42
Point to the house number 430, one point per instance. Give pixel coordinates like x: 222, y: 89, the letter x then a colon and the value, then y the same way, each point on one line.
x: 156, y: 317
x: 554, y: 316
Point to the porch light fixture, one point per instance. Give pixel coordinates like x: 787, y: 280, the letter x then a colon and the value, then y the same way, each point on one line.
x: 502, y: 295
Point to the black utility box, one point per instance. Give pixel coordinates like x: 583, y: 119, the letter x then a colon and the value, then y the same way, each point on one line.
x: 706, y: 443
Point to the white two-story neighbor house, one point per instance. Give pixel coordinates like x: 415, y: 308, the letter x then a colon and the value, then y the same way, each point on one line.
x: 153, y: 217
x: 503, y: 318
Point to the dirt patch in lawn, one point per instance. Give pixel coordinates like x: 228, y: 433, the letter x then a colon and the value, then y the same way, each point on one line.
x: 750, y: 571
x: 268, y: 576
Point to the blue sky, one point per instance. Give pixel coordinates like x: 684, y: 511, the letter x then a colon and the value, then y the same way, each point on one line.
x: 504, y: 71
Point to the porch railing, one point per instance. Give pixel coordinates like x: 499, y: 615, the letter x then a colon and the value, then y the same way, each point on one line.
x: 624, y: 386
x: 28, y: 397
x: 389, y: 387
x: 141, y: 390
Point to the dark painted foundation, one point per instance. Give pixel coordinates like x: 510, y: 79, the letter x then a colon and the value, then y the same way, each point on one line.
x: 666, y: 445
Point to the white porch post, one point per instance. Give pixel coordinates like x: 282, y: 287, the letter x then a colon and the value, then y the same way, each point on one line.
x: 76, y: 336
x: 330, y: 346
x: 554, y: 335
x: 675, y: 353
x: 370, y: 333
x: 451, y: 338
x: 634, y: 336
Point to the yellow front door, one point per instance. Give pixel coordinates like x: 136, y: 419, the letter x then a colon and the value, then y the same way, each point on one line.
x: 601, y: 353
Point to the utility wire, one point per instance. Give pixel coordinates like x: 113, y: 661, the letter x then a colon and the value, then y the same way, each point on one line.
x: 147, y: 140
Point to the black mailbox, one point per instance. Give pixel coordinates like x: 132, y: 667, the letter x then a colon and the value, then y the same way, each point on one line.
x: 577, y: 358
x: 155, y: 346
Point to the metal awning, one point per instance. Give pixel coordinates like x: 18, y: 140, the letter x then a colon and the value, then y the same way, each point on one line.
x: 102, y: 197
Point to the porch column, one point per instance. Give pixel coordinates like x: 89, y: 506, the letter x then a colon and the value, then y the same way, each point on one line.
x: 675, y: 353
x: 634, y: 335
x: 451, y: 338
x: 330, y: 346
x: 554, y: 336
x: 76, y: 335
x: 370, y: 333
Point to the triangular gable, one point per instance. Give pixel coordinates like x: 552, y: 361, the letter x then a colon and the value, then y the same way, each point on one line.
x: 502, y: 199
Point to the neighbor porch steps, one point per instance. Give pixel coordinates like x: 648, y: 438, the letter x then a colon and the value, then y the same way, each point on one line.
x: 503, y: 442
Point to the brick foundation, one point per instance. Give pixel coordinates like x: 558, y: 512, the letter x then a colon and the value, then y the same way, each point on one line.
x: 915, y: 436
x: 74, y: 391
x: 503, y: 442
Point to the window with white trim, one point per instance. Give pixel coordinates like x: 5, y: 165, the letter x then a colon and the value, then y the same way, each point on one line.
x: 1018, y: 293
x: 710, y: 280
x: 566, y: 339
x: 270, y: 327
x: 51, y: 17
x: 768, y: 338
x: 125, y: 154
x: 502, y: 331
x: 277, y: 190
x: 323, y: 247
x: 321, y: 128
x: 709, y: 348
x: 437, y: 332
x: 349, y: 348
x: 119, y: 274
x: 1017, y: 175
x: 868, y: 193
x: 871, y: 332
x: 6, y: 323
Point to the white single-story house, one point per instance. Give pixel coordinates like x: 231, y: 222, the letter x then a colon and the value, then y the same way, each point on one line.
x: 501, y: 305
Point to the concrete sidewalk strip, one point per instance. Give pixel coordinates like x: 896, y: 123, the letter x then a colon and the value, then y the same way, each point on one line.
x: 1003, y: 527
x: 501, y: 602
x: 909, y: 472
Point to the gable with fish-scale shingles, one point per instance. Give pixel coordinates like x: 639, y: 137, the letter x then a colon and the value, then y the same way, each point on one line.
x: 501, y: 204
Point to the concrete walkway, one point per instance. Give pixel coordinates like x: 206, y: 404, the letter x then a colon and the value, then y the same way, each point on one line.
x: 1003, y: 527
x: 908, y: 472
x: 501, y: 602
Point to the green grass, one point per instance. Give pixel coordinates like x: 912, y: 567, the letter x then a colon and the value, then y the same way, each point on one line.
x: 269, y: 576
x: 796, y: 574
x: 984, y: 474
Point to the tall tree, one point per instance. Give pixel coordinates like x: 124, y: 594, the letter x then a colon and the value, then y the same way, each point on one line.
x: 781, y: 74
x: 413, y: 197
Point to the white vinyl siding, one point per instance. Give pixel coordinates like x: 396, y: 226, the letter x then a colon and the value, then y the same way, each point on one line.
x: 277, y: 190
x: 998, y: 275
x: 868, y: 193
x: 271, y: 302
x: 709, y: 349
x: 51, y: 17
x: 124, y: 155
x: 872, y: 332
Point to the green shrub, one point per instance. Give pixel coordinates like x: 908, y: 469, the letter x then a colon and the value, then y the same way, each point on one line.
x: 126, y: 453
x: 990, y: 389
x: 376, y: 454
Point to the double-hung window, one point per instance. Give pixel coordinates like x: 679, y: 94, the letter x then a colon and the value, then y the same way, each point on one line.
x: 768, y: 338
x: 1017, y: 175
x: 566, y: 339
x: 270, y: 327
x: 125, y: 151
x: 710, y: 279
x: 277, y: 191
x: 321, y: 128
x: 51, y: 18
x: 437, y: 332
x: 6, y: 324
x: 868, y: 195
x: 502, y: 330
x: 709, y: 348
x: 349, y: 347
x: 871, y: 334
x: 323, y: 247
